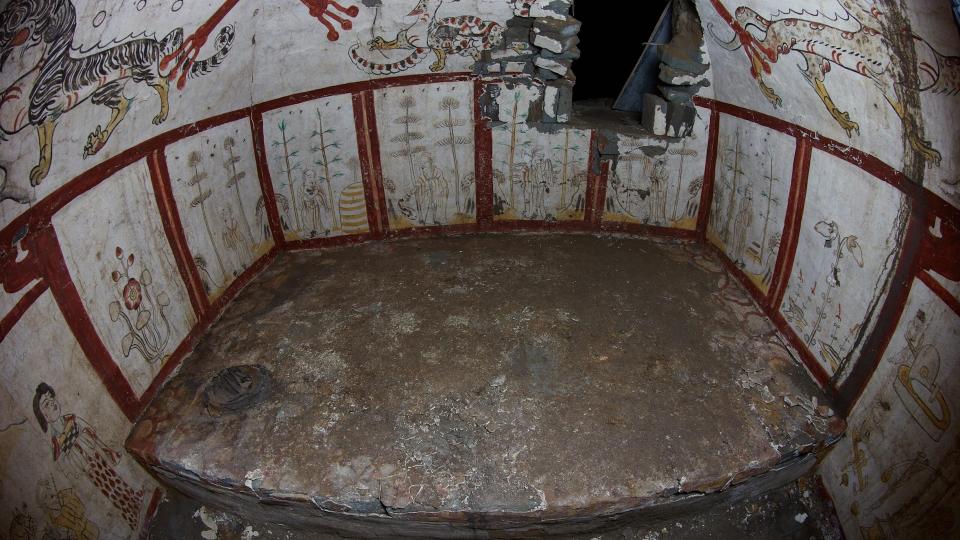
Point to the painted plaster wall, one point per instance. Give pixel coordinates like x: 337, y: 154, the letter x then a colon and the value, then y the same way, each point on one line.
x: 658, y: 182
x: 149, y: 191
x: 867, y: 156
x: 133, y: 193
x: 55, y: 475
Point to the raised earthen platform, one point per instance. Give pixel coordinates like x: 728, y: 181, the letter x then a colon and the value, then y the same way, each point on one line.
x: 484, y: 386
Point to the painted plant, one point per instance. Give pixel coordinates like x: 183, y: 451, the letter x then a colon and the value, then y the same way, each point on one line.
x: 315, y: 167
x: 649, y: 189
x: 148, y: 330
x: 428, y: 177
x: 543, y: 175
x: 750, y: 193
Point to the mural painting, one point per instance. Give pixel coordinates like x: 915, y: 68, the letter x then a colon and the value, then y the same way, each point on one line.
x: 315, y: 166
x: 427, y: 33
x: 652, y: 183
x: 844, y: 261
x: 862, y: 39
x: 896, y: 473
x: 426, y: 148
x: 45, y: 77
x: 116, y: 251
x: 61, y: 440
x: 213, y: 176
x: 538, y: 174
x: 750, y: 197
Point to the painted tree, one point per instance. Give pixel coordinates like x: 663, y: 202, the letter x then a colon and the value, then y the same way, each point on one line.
x: 325, y: 161
x: 452, y: 140
x: 234, y: 179
x: 772, y: 201
x: 512, y: 147
x: 408, y: 140
x: 195, y: 160
x: 288, y: 165
x: 732, y: 179
x: 683, y: 152
x: 565, y: 171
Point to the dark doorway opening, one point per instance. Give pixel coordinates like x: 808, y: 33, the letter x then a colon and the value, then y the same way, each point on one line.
x: 612, y: 38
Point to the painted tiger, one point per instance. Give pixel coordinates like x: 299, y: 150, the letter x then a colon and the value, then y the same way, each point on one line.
x: 49, y: 81
x: 464, y: 35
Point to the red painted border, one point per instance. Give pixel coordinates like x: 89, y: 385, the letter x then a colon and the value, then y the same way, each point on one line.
x: 948, y: 298
x: 71, y: 305
x: 38, y: 216
x: 483, y: 159
x: 366, y: 168
x: 45, y: 259
x: 709, y: 173
x: 173, y: 226
x: 596, y: 182
x: 376, y: 167
x: 152, y: 509
x: 20, y: 308
x: 859, y: 158
x: 889, y: 316
x: 362, y: 86
x: 792, y: 222
x: 266, y: 182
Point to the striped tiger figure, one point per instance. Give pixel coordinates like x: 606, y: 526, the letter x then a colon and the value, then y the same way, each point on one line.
x: 49, y: 80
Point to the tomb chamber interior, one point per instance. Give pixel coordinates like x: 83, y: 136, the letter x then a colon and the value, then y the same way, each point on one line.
x: 323, y: 269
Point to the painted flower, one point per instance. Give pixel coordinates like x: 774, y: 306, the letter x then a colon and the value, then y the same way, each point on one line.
x: 119, y: 253
x: 132, y: 294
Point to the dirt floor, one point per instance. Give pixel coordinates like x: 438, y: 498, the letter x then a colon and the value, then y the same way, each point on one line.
x: 486, y: 381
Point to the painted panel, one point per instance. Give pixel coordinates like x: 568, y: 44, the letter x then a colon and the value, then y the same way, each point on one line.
x: 751, y: 193
x: 213, y: 176
x: 655, y: 182
x: 539, y: 171
x: 118, y: 94
x: 426, y: 151
x: 853, y: 59
x: 896, y: 473
x: 315, y: 168
x: 61, y: 439
x: 118, y: 256
x: 849, y: 244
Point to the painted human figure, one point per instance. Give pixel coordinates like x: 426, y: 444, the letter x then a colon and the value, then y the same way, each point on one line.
x: 658, y: 188
x: 433, y: 190
x: 77, y: 446
x: 315, y: 202
x: 234, y: 240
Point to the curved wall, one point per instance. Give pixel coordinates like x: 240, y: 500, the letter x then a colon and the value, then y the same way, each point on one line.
x: 837, y: 151
x: 302, y: 136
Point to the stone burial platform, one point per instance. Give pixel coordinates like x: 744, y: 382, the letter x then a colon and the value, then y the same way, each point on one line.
x: 485, y: 386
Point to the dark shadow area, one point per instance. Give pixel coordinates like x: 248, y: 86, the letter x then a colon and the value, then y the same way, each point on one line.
x: 610, y: 44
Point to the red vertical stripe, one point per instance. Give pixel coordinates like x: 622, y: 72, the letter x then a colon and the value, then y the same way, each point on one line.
x: 74, y: 312
x: 173, y: 227
x: 792, y: 222
x: 370, y: 193
x: 370, y: 121
x: 483, y: 160
x: 266, y: 183
x: 709, y: 173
